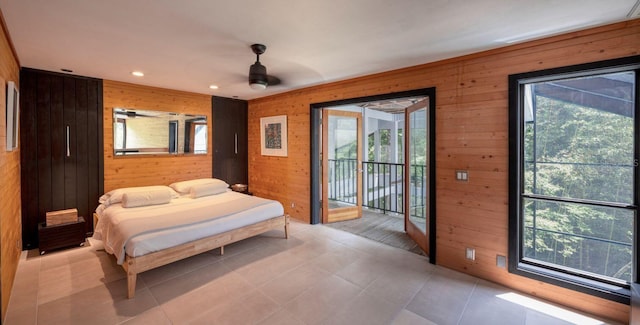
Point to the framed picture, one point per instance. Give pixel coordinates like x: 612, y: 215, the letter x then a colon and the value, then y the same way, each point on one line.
x: 12, y: 115
x: 273, y: 135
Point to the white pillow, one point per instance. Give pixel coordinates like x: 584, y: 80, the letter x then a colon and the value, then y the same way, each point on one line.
x: 140, y: 199
x: 115, y: 196
x: 207, y: 189
x: 184, y: 187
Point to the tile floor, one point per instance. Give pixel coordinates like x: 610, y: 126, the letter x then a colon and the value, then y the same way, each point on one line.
x: 319, y: 276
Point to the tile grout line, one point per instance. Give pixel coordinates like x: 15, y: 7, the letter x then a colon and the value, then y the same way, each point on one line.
x: 414, y: 297
x: 475, y: 285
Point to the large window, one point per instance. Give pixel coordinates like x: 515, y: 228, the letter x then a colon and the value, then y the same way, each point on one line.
x: 573, y: 175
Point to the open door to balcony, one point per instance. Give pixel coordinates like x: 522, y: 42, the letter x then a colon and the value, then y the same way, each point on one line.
x: 417, y: 159
x: 342, y: 165
x: 373, y: 161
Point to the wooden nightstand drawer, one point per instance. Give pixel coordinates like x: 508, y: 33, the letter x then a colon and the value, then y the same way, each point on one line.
x: 59, y: 236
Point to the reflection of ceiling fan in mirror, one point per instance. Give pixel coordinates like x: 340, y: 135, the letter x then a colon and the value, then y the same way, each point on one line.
x: 125, y: 113
x: 258, y: 77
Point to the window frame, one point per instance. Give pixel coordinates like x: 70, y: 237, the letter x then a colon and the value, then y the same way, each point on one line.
x: 518, y: 264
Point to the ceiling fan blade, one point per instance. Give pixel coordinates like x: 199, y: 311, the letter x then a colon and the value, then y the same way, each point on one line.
x: 272, y: 81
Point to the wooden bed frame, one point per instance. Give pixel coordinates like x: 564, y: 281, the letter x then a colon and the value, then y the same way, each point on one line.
x: 135, y: 265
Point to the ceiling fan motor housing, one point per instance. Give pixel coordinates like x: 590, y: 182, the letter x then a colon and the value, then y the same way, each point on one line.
x: 258, y: 76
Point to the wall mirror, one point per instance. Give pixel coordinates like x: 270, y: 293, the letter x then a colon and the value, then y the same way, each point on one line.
x: 139, y: 132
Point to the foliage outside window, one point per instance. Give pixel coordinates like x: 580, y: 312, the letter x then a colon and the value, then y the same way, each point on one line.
x: 573, y: 203
x: 384, y: 146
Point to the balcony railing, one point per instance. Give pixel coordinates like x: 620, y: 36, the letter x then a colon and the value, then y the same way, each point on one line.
x: 343, y: 180
x: 382, y: 184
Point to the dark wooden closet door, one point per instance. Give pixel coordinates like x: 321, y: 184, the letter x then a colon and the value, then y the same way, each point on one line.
x: 230, y: 152
x: 61, y: 147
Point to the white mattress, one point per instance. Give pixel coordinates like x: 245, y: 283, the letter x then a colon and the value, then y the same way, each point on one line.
x: 157, y: 240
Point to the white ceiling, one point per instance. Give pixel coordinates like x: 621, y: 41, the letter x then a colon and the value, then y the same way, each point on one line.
x: 191, y: 44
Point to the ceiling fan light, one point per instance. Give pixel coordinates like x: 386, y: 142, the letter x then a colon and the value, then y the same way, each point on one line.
x: 258, y: 86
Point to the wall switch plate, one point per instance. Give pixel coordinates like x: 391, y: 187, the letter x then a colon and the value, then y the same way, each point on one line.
x: 462, y: 175
x: 501, y: 261
x: 471, y: 254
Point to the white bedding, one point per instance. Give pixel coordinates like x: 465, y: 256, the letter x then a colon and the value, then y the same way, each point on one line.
x: 188, y: 226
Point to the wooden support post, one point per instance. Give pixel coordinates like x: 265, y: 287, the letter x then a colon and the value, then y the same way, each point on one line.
x: 286, y: 226
x: 131, y: 284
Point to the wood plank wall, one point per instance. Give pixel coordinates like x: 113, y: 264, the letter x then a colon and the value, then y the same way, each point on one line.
x: 471, y: 134
x: 156, y: 169
x: 10, y: 207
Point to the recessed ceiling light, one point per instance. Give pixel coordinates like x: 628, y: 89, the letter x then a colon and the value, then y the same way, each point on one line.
x: 213, y: 87
x: 137, y: 73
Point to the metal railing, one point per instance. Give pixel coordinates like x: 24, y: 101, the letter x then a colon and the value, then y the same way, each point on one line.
x: 343, y: 180
x: 383, y: 185
x: 418, y: 186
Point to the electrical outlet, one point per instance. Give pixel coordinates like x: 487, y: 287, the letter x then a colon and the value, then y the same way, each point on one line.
x: 462, y: 175
x: 501, y: 261
x: 471, y: 254
x: 293, y: 205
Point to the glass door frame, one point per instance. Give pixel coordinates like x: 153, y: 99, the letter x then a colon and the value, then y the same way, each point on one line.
x: 316, y: 162
x: 350, y: 212
x: 413, y: 230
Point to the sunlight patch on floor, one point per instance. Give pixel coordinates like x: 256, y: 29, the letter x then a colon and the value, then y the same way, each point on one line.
x: 548, y: 309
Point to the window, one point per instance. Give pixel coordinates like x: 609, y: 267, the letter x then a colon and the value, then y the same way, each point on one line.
x: 573, y: 169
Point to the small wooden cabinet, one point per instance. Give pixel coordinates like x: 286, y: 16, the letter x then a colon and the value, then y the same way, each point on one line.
x: 59, y: 236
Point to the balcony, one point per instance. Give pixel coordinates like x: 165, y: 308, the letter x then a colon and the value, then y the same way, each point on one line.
x: 382, y: 184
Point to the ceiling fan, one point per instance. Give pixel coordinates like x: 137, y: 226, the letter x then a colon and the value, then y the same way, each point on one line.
x: 258, y: 77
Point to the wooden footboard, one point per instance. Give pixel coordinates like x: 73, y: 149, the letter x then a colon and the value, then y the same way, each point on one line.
x: 135, y: 265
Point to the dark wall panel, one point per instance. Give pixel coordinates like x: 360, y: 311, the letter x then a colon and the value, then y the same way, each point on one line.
x: 230, y: 139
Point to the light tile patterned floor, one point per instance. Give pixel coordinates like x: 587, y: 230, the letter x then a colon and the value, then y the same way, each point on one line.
x: 319, y: 276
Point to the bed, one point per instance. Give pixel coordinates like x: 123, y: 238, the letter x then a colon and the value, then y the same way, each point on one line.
x: 151, y: 226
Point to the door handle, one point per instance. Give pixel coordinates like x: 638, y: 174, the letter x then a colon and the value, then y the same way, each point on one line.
x: 236, y: 143
x: 68, y: 149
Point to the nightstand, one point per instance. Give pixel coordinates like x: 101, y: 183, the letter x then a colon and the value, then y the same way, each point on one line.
x: 59, y: 236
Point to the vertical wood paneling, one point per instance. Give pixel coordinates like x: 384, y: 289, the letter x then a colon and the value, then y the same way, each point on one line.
x: 10, y: 221
x: 82, y: 149
x: 471, y: 134
x: 157, y: 169
x: 43, y: 153
x: 70, y: 94
x: 57, y: 137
